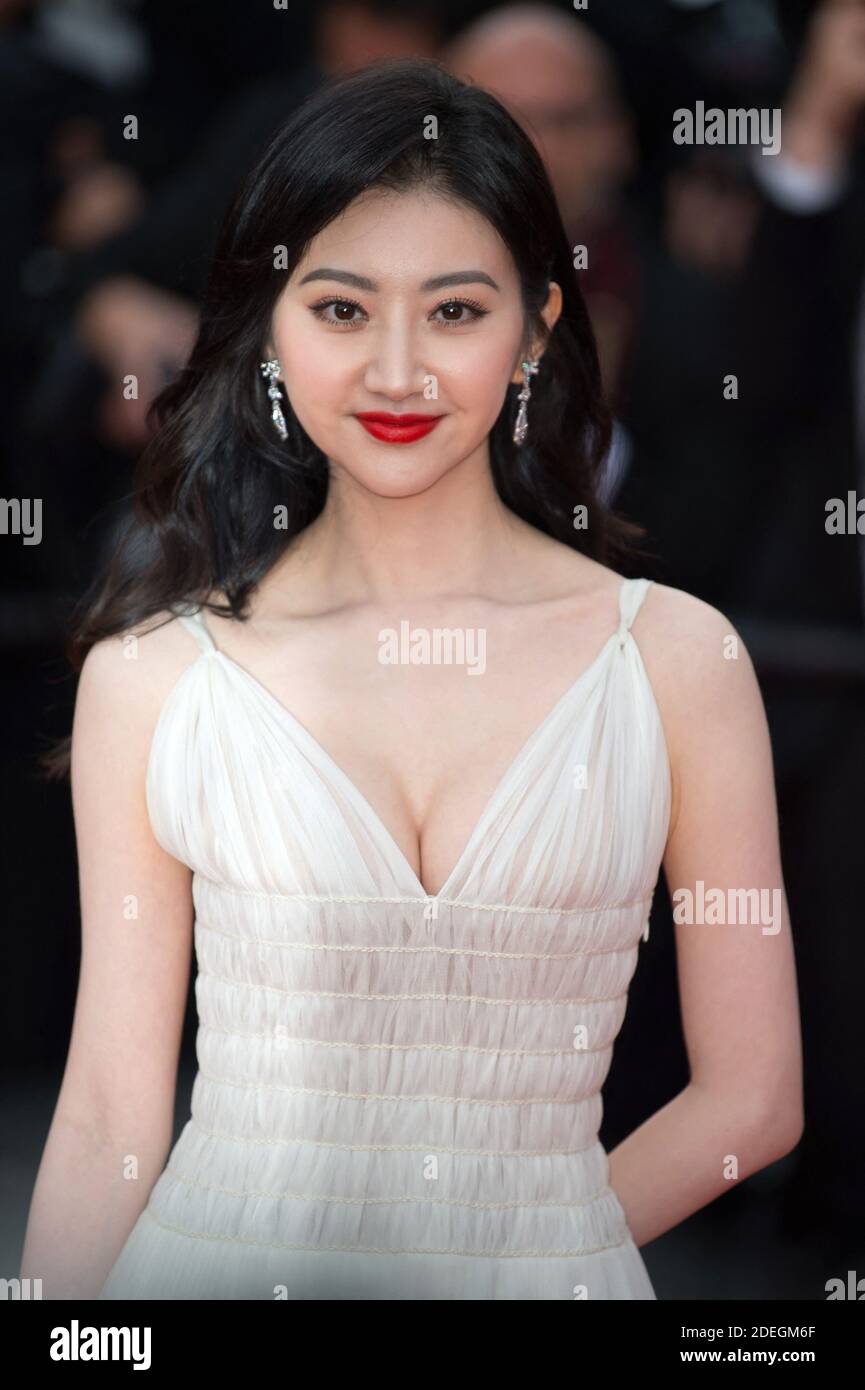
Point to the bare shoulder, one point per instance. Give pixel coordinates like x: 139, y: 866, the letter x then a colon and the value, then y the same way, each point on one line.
x: 691, y: 651
x: 704, y: 684
x: 124, y: 682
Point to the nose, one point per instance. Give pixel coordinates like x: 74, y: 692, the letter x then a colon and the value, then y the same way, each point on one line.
x: 394, y: 369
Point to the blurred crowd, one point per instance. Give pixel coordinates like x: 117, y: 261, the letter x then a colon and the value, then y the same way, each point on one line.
x: 726, y: 287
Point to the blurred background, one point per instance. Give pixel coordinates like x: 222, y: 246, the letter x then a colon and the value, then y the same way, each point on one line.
x: 727, y: 292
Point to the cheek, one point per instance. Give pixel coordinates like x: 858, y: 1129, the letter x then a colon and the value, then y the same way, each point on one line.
x: 474, y: 374
x: 315, y: 375
x: 482, y: 387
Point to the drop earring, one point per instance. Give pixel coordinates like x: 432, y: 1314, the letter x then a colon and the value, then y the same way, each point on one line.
x: 521, y: 427
x: 271, y: 370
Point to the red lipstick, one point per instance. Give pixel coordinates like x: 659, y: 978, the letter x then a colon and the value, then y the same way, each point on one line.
x: 397, y: 429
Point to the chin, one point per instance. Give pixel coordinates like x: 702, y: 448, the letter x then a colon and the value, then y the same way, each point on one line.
x: 399, y: 487
x: 402, y: 479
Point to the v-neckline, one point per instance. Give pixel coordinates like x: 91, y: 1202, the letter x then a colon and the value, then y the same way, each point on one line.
x: 301, y: 733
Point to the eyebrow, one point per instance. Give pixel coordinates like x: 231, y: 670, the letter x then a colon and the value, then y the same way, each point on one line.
x: 438, y: 282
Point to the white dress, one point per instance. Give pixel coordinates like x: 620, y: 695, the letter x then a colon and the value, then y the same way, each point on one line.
x: 398, y: 1094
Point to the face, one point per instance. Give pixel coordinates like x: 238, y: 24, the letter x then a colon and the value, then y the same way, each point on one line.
x: 361, y: 329
x: 564, y: 97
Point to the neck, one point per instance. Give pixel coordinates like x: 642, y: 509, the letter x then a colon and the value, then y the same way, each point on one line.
x: 455, y: 538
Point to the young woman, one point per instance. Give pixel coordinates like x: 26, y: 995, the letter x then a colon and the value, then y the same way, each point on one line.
x: 368, y: 704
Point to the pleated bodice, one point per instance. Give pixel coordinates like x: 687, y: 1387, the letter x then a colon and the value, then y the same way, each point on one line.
x: 399, y: 1093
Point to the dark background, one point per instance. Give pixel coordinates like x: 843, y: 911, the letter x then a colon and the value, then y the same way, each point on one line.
x: 698, y: 273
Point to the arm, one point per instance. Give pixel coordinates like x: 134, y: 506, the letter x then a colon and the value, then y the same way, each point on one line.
x: 828, y: 89
x: 801, y: 282
x: 737, y: 985
x: 117, y: 1094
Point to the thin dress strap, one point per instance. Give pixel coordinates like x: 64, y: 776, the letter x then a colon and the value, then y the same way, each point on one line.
x: 194, y: 623
x: 631, y: 595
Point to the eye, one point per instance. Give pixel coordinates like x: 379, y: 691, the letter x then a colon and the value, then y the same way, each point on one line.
x: 319, y: 311
x: 341, y: 320
x: 476, y: 310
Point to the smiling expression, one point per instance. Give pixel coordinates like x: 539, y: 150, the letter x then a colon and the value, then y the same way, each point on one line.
x: 406, y: 305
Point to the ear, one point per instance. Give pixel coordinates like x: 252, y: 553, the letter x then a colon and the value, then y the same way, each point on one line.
x: 549, y: 313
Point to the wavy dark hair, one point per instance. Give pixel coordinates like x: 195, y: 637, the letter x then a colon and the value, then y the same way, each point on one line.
x: 214, y: 468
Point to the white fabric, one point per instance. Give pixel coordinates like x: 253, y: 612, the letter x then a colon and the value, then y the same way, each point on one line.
x: 394, y: 1100
x: 796, y: 187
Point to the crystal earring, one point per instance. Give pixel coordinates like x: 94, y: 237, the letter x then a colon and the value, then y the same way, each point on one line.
x: 271, y: 370
x: 522, y: 423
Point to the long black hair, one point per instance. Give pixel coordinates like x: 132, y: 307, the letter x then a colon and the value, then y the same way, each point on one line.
x: 214, y: 470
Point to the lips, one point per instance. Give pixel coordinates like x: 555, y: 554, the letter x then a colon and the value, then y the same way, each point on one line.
x: 397, y: 429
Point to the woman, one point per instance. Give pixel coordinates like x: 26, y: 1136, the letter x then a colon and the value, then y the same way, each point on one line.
x: 365, y: 701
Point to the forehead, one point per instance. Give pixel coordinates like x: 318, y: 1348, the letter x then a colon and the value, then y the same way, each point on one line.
x: 400, y: 238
